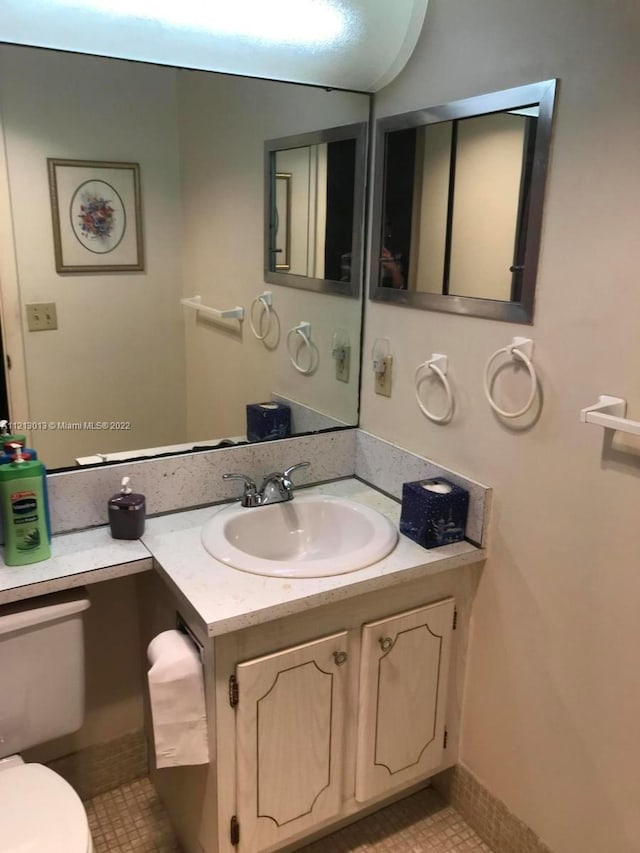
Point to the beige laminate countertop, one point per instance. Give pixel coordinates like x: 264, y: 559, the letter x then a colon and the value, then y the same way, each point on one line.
x: 87, y: 556
x: 225, y: 599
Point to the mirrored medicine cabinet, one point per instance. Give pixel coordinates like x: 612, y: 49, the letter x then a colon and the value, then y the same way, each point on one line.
x: 457, y: 208
x: 314, y: 209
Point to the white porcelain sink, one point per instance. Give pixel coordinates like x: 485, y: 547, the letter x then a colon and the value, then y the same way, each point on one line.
x: 310, y: 536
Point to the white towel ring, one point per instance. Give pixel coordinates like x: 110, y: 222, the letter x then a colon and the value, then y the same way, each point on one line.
x: 264, y: 300
x: 304, y: 331
x: 515, y: 350
x: 437, y: 364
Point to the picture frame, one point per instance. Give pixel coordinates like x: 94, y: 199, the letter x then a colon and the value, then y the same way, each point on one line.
x: 283, y: 221
x: 96, y: 216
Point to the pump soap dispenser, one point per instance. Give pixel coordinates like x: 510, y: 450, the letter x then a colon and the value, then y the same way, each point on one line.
x: 127, y: 513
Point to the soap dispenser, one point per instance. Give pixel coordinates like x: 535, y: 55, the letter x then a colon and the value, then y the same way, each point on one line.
x: 127, y: 513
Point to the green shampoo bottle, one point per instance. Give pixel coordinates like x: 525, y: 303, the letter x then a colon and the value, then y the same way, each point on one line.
x: 23, y: 505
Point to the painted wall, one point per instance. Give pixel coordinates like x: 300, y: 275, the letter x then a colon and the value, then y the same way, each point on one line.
x: 222, y: 174
x: 118, y: 353
x: 553, y: 698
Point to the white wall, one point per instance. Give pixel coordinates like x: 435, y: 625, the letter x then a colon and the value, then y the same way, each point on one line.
x: 222, y: 172
x: 553, y: 696
x: 118, y: 353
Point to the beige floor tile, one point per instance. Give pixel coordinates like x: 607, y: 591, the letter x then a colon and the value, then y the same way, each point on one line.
x: 131, y: 819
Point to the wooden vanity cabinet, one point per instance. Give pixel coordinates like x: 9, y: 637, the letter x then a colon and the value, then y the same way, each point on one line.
x: 318, y: 717
x: 404, y: 671
x: 293, y: 715
x: 289, y: 741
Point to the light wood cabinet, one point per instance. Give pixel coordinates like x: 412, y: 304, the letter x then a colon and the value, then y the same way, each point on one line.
x: 404, y: 667
x: 289, y: 732
x: 292, y: 718
x: 313, y: 742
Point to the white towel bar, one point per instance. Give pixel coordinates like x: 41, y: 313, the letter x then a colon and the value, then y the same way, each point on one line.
x: 609, y: 412
x: 195, y: 302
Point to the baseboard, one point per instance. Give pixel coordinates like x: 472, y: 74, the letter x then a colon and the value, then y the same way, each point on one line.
x: 486, y: 814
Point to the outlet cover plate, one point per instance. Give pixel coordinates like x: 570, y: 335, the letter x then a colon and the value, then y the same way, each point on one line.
x: 342, y: 365
x: 383, y: 380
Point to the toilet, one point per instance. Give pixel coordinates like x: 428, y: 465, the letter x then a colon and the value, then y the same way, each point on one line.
x: 41, y: 698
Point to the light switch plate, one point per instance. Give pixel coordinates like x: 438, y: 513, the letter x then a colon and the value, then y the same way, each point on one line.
x: 383, y: 380
x: 41, y: 316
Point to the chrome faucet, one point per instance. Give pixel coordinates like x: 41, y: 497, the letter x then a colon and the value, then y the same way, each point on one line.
x: 275, y: 488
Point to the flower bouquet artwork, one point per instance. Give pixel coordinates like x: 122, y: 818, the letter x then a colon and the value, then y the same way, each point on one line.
x: 96, y: 212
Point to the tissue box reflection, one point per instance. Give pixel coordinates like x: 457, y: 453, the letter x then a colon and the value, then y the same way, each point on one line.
x: 434, y: 512
x: 267, y: 421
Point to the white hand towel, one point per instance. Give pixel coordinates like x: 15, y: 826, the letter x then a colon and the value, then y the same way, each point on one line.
x: 176, y: 692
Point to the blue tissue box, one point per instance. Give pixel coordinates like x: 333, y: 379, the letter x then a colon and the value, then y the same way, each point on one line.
x: 434, y: 512
x: 267, y: 421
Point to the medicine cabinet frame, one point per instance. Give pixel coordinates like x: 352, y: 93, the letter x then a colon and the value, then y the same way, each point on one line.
x: 357, y: 132
x: 540, y: 94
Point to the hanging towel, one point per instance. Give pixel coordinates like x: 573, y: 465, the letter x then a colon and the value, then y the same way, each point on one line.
x: 176, y: 693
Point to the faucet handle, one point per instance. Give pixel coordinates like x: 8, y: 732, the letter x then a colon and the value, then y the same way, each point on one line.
x: 288, y: 471
x: 250, y: 487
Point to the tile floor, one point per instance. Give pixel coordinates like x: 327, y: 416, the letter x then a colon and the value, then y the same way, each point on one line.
x: 131, y: 819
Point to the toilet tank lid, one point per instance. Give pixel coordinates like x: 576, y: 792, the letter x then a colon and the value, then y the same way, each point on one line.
x: 45, y: 608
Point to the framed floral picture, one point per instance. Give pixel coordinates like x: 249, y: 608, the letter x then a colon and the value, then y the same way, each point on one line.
x: 97, y: 221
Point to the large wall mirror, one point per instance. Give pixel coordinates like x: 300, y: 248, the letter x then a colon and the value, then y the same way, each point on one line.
x: 457, y: 211
x: 314, y: 209
x: 129, y: 368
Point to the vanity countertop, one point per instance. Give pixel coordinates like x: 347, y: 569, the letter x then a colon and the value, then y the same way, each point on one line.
x: 86, y: 556
x: 227, y: 599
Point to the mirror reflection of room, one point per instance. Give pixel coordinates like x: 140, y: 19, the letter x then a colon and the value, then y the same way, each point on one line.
x: 455, y: 206
x: 125, y: 350
x: 314, y: 209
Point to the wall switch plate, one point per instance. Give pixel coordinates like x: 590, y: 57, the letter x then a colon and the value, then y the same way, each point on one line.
x: 41, y: 316
x: 342, y: 365
x: 383, y: 380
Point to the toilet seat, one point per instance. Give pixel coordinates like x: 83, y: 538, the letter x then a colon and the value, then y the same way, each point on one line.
x: 41, y: 813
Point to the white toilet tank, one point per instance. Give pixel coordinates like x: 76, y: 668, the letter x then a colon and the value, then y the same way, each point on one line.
x: 41, y: 669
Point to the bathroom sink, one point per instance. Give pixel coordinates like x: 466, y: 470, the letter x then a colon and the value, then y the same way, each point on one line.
x: 310, y: 536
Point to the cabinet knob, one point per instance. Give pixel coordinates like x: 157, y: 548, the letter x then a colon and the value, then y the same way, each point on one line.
x: 385, y: 643
x: 340, y: 658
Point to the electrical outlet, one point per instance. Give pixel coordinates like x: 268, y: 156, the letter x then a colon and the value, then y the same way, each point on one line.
x: 41, y: 316
x: 342, y: 365
x: 383, y: 380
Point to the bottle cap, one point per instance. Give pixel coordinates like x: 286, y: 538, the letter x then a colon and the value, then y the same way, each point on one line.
x: 18, y: 458
x: 125, y: 490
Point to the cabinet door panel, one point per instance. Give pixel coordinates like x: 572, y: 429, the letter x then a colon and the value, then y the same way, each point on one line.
x: 403, y: 685
x: 289, y: 730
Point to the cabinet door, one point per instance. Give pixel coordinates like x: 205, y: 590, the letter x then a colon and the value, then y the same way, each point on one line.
x: 289, y: 732
x: 403, y: 686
